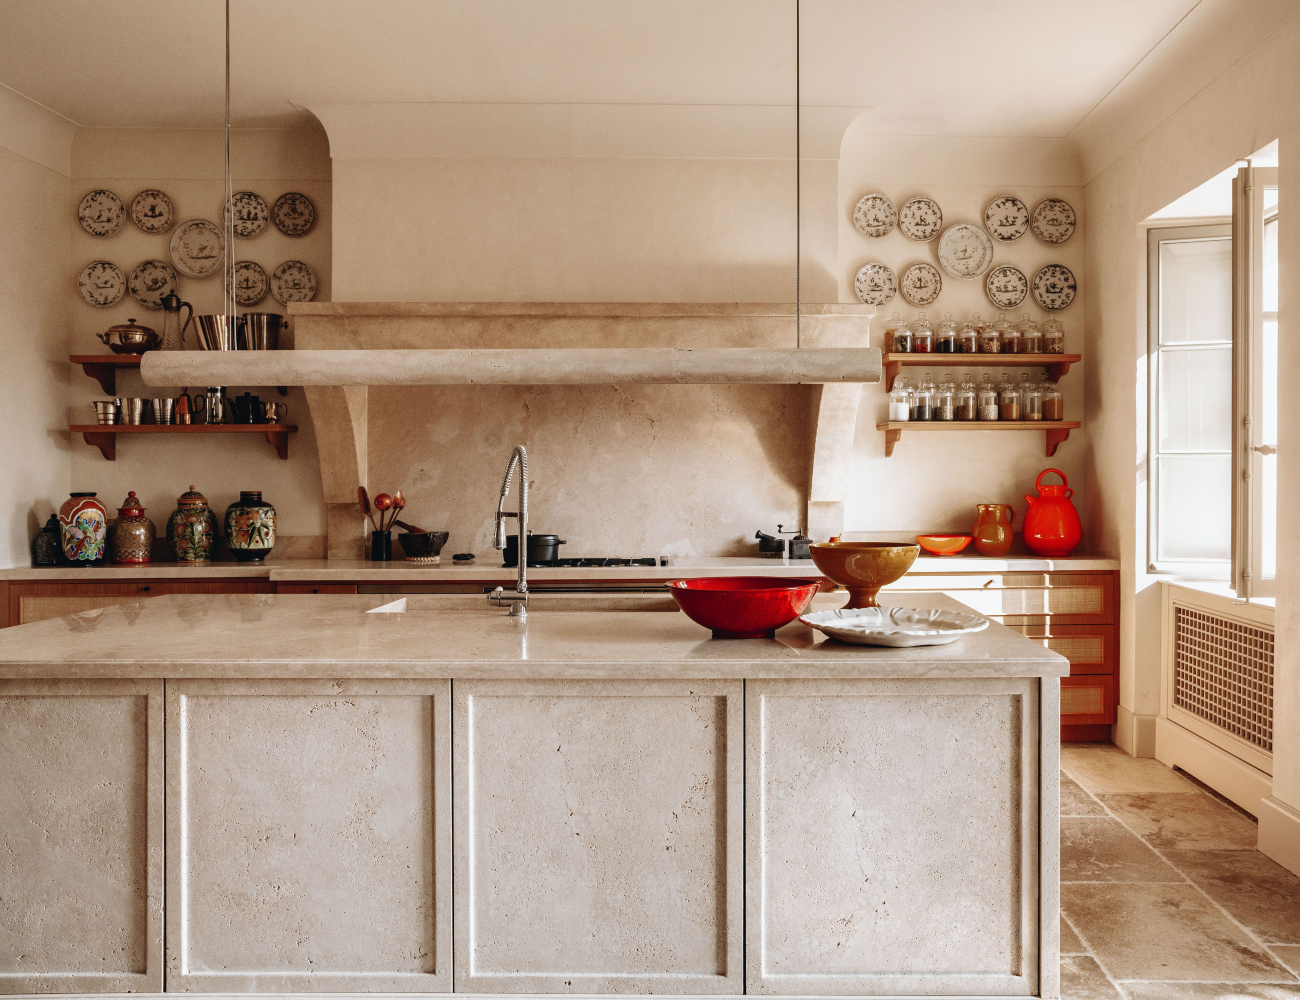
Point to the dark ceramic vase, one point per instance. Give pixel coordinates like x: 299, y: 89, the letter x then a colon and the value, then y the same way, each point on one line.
x: 192, y: 528
x: 381, y: 546
x: 46, y: 550
x: 250, y: 527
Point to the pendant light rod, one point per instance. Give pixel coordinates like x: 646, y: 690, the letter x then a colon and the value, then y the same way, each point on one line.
x: 228, y: 293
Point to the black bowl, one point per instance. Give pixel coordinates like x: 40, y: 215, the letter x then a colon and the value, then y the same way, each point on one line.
x: 418, y: 545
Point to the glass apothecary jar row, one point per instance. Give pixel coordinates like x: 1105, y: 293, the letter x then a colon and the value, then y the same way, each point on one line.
x: 1023, y: 400
x: 974, y: 336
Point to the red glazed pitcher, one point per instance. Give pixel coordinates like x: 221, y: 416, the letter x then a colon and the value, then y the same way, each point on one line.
x: 1052, y: 525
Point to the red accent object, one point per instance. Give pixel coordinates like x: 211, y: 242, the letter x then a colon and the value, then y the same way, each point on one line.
x: 743, y: 607
x: 943, y: 545
x: 1052, y: 525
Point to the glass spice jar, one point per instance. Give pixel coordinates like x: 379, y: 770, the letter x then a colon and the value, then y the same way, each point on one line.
x: 1008, y: 400
x: 922, y: 336
x: 903, y: 339
x: 966, y: 399
x: 900, y: 403
x: 945, y: 336
x: 1031, y: 336
x: 1053, y: 337
x: 891, y: 328
x: 988, y: 398
x: 945, y: 402
x: 923, y: 399
x: 1010, y: 339
x: 967, y: 339
x: 1031, y: 399
x: 991, y: 338
x: 1053, y: 402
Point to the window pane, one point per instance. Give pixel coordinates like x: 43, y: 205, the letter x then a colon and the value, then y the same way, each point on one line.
x: 1270, y: 266
x: 1195, y: 514
x: 1196, y: 291
x: 1196, y: 400
x: 1268, y: 390
x: 1268, y: 518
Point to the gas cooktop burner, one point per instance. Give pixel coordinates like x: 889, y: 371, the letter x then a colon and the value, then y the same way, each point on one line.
x: 593, y: 562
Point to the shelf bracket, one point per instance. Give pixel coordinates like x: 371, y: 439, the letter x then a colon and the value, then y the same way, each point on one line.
x: 1055, y: 436
x: 105, y: 441
x: 892, y: 436
x: 105, y: 375
x: 279, y: 440
x: 1055, y: 372
x: 892, y: 368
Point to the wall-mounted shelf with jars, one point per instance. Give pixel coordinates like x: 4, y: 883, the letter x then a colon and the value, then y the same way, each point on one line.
x: 1055, y: 365
x: 1056, y: 430
x: 104, y: 436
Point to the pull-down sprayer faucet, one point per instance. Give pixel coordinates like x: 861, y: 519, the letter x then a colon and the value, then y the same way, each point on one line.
x: 518, y: 601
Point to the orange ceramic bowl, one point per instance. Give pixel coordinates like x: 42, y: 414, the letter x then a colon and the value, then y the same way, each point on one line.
x: 943, y: 545
x: 743, y: 607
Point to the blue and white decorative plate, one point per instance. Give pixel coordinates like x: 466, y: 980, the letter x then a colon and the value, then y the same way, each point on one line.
x: 875, y: 285
x: 875, y: 216
x: 101, y: 283
x: 294, y: 214
x: 1054, y: 287
x: 920, y: 219
x: 197, y: 248
x: 921, y: 284
x: 1006, y: 218
x: 1053, y: 220
x: 152, y: 211
x: 101, y: 213
x: 251, y: 283
x: 965, y: 250
x: 293, y: 281
x: 251, y: 214
x: 1007, y: 286
x: 150, y: 281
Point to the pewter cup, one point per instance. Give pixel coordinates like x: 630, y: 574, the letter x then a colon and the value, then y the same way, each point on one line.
x: 133, y: 410
x: 162, y: 410
x: 276, y: 412
x: 105, y: 411
x: 260, y: 331
x: 216, y: 332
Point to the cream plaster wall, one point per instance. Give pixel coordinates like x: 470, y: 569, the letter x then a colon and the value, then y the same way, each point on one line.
x: 1250, y: 104
x: 933, y: 481
x: 187, y: 165
x: 34, y: 459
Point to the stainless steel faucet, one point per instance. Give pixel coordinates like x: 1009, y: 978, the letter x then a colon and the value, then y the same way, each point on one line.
x: 518, y: 600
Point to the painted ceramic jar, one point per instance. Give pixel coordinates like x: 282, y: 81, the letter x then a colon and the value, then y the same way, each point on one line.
x: 192, y: 528
x: 83, y: 527
x: 130, y: 539
x: 250, y: 527
x: 47, y: 550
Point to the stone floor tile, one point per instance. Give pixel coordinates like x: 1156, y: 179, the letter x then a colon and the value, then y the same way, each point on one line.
x: 1165, y: 932
x: 1101, y: 849
x: 1211, y: 991
x: 1187, y: 821
x: 1075, y: 801
x: 1102, y: 768
x: 1082, y: 979
x: 1254, y: 888
x: 1287, y: 954
x: 1070, y: 943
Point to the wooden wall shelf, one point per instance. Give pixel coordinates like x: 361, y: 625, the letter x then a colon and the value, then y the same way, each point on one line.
x: 1057, y: 365
x: 1056, y: 430
x: 104, y: 436
x: 103, y: 367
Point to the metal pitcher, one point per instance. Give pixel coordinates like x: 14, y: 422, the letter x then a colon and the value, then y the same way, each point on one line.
x: 190, y: 409
x: 173, y: 336
x: 260, y: 331
x: 216, y: 332
x: 106, y: 410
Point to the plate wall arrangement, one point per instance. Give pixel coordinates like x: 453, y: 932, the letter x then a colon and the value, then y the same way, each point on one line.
x: 1006, y: 218
x: 294, y: 214
x: 197, y: 248
x: 875, y: 285
x: 921, y: 284
x: 875, y: 216
x: 101, y: 212
x: 251, y: 283
x: 101, y: 283
x: 251, y: 214
x: 152, y: 211
x: 1053, y: 220
x: 1054, y: 287
x: 921, y: 219
x: 965, y: 250
x: 150, y: 280
x: 1007, y: 286
x: 293, y: 281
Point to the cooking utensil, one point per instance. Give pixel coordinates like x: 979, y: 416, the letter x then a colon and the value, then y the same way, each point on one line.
x: 411, y: 528
x: 106, y: 410
x: 260, y: 331
x: 541, y: 549
x: 276, y: 412
x: 248, y: 409
x: 216, y: 332
x: 216, y: 405
x: 863, y: 567
x: 943, y: 545
x: 895, y: 626
x: 190, y: 407
x: 129, y: 338
x: 743, y: 607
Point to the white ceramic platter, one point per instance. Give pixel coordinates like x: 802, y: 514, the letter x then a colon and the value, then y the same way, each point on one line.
x: 1007, y: 286
x: 152, y: 211
x: 150, y: 281
x: 1053, y: 220
x: 101, y: 213
x: 875, y: 216
x: 875, y: 285
x: 294, y: 214
x: 251, y: 214
x: 1006, y: 218
x: 965, y: 250
x: 895, y: 626
x: 921, y: 284
x: 1054, y: 287
x: 293, y: 281
x: 101, y: 283
x: 251, y: 283
x: 197, y: 248
x: 921, y: 219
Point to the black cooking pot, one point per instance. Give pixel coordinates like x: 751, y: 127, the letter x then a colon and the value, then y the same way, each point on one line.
x: 541, y: 549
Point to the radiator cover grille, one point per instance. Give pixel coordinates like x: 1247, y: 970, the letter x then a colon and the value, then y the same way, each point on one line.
x: 1223, y: 673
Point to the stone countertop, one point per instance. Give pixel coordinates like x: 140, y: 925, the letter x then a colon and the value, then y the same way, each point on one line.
x: 347, y: 570
x: 334, y: 636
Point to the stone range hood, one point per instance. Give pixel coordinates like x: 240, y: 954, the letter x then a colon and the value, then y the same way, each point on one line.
x: 644, y: 342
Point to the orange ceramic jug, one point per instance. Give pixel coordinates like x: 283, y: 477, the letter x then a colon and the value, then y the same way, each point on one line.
x: 1052, y: 525
x: 993, y: 529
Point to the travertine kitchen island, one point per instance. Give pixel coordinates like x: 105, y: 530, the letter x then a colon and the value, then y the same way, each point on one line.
x: 312, y: 796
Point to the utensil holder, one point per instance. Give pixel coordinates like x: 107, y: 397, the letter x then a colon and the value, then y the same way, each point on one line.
x: 381, y: 546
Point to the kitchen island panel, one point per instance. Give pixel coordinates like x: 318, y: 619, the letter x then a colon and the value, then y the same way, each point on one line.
x: 893, y: 832
x: 81, y: 836
x: 309, y: 836
x: 599, y: 836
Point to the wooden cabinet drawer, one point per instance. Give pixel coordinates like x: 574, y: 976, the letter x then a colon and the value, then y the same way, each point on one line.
x: 315, y: 588
x: 1089, y: 648
x: 34, y: 602
x: 1088, y: 700
x: 1026, y: 598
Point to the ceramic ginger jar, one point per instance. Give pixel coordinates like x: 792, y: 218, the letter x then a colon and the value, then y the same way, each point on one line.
x: 83, y: 527
x: 250, y: 527
x: 130, y: 539
x: 192, y: 528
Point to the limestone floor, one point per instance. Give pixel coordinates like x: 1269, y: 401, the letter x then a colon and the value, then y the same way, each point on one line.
x: 1163, y: 894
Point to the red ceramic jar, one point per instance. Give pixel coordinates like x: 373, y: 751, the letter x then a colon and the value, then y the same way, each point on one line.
x: 743, y: 607
x: 1052, y: 525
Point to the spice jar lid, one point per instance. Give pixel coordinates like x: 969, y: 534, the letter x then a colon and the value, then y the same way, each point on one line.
x: 131, y: 506
x: 192, y: 498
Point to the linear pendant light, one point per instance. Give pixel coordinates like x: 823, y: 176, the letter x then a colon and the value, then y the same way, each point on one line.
x: 228, y: 293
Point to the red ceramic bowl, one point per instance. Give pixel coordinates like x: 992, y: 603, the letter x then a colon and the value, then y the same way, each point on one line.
x: 943, y: 545
x: 743, y: 607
